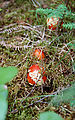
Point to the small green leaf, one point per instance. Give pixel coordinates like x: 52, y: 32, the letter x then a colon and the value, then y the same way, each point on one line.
x: 3, y: 109
x: 3, y: 101
x: 7, y: 74
x: 3, y: 92
x: 65, y: 96
x: 50, y: 115
x: 0, y: 9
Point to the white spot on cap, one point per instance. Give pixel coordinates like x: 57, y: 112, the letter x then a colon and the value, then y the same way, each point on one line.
x: 36, y: 76
x: 52, y: 21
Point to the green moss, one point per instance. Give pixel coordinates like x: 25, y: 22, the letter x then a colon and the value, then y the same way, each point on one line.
x: 21, y: 14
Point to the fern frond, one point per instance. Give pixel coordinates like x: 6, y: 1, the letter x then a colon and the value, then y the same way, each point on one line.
x: 42, y: 11
x: 60, y: 12
x: 69, y: 15
x: 69, y: 26
x: 62, y: 8
x: 56, y: 14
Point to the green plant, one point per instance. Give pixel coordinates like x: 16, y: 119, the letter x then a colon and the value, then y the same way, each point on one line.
x: 6, y: 74
x: 62, y: 12
x: 0, y: 9
x: 65, y: 96
x: 50, y: 115
x: 3, y: 101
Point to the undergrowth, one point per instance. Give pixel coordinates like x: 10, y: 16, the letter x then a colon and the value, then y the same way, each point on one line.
x: 22, y: 30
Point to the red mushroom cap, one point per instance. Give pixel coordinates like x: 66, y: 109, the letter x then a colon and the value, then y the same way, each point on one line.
x: 34, y: 75
x: 52, y: 22
x: 39, y: 54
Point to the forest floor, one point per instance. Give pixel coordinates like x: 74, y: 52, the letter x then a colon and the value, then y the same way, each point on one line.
x: 20, y: 34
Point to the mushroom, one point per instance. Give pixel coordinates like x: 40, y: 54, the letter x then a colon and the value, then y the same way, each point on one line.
x: 39, y: 54
x: 52, y: 22
x: 36, y: 75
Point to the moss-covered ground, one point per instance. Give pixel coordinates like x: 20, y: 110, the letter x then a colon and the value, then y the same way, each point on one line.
x: 20, y: 34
